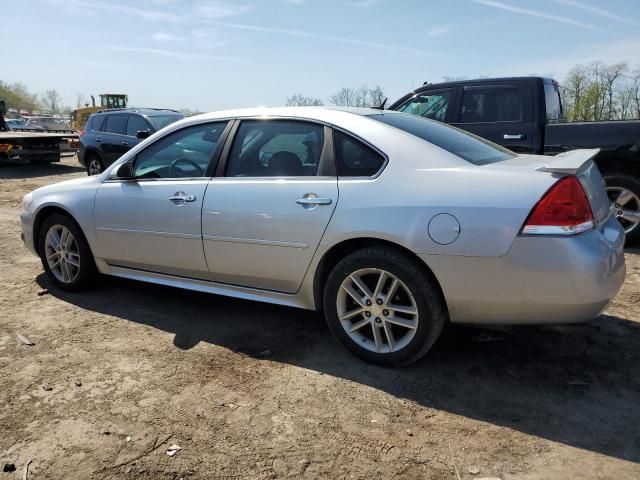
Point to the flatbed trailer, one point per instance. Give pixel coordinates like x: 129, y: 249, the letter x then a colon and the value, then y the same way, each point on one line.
x: 35, y: 147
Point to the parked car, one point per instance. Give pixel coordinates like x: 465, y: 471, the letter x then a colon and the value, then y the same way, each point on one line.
x: 19, y: 124
x: 111, y: 133
x: 431, y: 224
x: 525, y: 114
x: 48, y: 123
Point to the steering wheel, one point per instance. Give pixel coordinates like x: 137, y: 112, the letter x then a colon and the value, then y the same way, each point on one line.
x: 175, y: 171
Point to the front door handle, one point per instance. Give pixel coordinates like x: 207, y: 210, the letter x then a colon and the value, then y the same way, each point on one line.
x: 514, y: 136
x: 180, y: 198
x: 124, y: 143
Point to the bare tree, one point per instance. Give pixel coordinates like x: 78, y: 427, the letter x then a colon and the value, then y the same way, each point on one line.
x: 610, y: 76
x: 299, y: 100
x: 624, y: 102
x: 376, y: 97
x: 80, y: 100
x: 345, y: 97
x: 52, y: 101
x: 635, y: 79
x: 358, y: 97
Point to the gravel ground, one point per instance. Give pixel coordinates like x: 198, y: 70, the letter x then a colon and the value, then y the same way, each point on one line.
x: 254, y: 391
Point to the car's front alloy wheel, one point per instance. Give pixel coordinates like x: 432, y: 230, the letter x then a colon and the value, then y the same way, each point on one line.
x: 383, y: 306
x: 65, y: 253
x: 62, y: 253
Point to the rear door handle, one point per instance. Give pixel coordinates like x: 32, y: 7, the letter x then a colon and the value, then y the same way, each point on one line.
x: 514, y: 136
x: 310, y: 202
x: 179, y: 198
x: 124, y: 143
x: 98, y: 139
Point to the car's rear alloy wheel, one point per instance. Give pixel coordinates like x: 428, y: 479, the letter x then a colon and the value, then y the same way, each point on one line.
x: 65, y: 253
x: 383, y: 306
x: 94, y: 166
x: 377, y: 310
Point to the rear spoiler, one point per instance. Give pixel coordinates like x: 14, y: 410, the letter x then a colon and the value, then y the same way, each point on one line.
x: 570, y: 163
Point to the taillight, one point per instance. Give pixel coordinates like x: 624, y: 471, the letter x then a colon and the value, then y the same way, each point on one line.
x: 81, y: 133
x: 564, y: 210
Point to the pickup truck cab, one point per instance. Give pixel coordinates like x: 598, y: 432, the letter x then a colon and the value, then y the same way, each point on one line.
x: 525, y: 115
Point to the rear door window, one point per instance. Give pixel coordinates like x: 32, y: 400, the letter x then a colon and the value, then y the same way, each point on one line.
x: 276, y: 148
x: 497, y: 104
x: 116, y: 124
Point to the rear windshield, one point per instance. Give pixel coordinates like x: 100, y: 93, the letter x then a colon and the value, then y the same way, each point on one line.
x: 161, y: 121
x: 465, y: 145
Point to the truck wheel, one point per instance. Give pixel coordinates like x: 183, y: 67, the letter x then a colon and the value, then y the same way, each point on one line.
x: 383, y: 307
x: 624, y: 194
x: 94, y: 165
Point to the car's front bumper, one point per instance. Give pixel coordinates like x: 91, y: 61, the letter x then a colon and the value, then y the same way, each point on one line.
x: 26, y: 222
x: 540, y: 280
x: 81, y: 155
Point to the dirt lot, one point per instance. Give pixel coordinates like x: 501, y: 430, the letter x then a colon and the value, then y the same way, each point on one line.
x: 254, y: 391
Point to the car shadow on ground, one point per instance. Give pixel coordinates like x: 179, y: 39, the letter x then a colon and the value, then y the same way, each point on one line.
x: 16, y: 170
x: 576, y: 385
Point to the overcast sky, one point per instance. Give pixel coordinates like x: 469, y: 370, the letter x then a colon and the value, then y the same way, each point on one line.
x: 214, y: 54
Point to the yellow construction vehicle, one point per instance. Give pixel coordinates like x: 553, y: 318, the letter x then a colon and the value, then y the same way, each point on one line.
x: 80, y: 116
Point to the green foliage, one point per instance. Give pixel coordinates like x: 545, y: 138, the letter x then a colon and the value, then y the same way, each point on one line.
x: 17, y: 96
x: 601, y: 92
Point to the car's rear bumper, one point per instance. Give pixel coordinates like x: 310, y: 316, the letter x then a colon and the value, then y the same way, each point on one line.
x: 540, y: 280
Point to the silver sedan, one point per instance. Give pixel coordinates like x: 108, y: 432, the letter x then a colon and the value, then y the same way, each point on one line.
x: 391, y: 224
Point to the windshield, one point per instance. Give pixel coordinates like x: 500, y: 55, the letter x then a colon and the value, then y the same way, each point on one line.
x: 465, y: 145
x: 161, y: 121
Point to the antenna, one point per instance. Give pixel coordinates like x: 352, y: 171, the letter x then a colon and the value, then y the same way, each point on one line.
x: 382, y: 104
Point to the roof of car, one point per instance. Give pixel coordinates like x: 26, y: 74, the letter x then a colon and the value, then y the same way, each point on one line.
x: 311, y: 113
x: 472, y: 80
x: 149, y: 112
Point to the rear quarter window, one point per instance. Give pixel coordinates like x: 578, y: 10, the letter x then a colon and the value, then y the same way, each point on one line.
x: 354, y: 158
x: 465, y: 145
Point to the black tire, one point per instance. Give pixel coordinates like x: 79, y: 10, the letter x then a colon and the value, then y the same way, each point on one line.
x: 87, y: 271
x: 631, y: 183
x: 93, y: 157
x: 432, y: 312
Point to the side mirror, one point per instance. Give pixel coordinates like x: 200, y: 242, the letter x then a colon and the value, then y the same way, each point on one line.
x: 142, y: 134
x: 123, y: 172
x: 3, y: 107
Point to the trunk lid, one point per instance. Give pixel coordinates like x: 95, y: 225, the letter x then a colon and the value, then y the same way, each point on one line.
x: 576, y: 162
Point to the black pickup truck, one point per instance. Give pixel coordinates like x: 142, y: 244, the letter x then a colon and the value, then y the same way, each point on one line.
x: 525, y: 114
x: 36, y: 147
